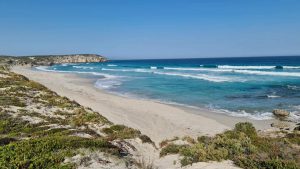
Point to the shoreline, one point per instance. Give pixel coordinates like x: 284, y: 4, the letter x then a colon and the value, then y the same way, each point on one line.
x: 223, y: 118
x: 157, y: 120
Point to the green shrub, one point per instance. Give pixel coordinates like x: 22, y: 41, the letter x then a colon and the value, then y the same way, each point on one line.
x: 48, y: 152
x: 246, y: 128
x: 83, y: 117
x: 120, y: 132
x: 244, y: 147
x: 171, y: 149
x: 11, y: 101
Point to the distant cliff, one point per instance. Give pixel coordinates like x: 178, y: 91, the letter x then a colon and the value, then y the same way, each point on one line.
x: 48, y: 60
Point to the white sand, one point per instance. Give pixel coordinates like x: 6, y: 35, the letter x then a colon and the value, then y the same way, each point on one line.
x: 158, y: 121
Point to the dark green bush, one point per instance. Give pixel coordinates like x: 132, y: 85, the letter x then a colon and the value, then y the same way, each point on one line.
x: 145, y: 139
x: 47, y: 152
x: 246, y: 128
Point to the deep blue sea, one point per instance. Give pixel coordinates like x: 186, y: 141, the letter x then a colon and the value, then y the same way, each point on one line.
x: 248, y: 87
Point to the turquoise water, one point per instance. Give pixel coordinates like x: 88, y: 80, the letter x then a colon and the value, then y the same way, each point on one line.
x: 250, y: 87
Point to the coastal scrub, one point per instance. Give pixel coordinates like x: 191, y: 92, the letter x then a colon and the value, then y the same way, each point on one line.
x: 243, y: 146
x: 40, y: 129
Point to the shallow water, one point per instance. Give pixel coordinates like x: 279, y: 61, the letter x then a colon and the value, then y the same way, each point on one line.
x: 250, y: 87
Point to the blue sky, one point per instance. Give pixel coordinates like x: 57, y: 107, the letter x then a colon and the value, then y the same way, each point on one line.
x: 123, y: 29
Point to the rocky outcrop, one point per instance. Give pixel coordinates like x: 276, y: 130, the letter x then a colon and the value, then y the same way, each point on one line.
x: 78, y: 59
x: 57, y: 59
x: 280, y: 113
x: 48, y: 60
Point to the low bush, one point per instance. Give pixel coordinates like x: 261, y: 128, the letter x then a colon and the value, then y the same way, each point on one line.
x: 83, y: 117
x: 171, y: 149
x: 48, y: 152
x: 244, y: 147
x: 121, y: 132
x: 11, y: 101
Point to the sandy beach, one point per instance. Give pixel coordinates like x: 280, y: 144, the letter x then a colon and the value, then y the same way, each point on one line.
x: 157, y: 120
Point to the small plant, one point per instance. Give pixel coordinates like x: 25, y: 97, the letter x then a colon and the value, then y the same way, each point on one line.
x: 84, y: 117
x: 121, y: 132
x: 166, y: 142
x: 171, y: 149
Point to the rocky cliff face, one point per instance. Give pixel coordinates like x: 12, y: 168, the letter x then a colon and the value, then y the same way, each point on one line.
x: 48, y: 60
x: 77, y: 59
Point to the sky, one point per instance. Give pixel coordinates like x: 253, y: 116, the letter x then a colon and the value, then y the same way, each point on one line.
x: 139, y: 29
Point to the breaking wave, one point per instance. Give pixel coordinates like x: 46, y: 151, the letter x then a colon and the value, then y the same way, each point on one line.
x: 83, y: 67
x: 45, y: 68
x: 111, y: 65
x: 185, y: 75
x: 200, y: 76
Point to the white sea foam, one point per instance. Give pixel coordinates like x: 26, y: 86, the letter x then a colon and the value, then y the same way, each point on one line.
x: 45, y: 68
x: 201, y: 76
x: 107, y: 84
x: 293, y: 87
x: 291, y: 74
x: 254, y: 72
x: 182, y: 68
x: 108, y: 81
x: 272, y: 96
x: 67, y: 64
x: 193, y: 76
x: 153, y: 67
x: 76, y: 67
x: 111, y: 65
x: 245, y: 67
x: 297, y: 107
x: 255, y: 67
x: 83, y: 67
x: 227, y: 68
x: 127, y: 70
x: 254, y: 116
x: 291, y: 67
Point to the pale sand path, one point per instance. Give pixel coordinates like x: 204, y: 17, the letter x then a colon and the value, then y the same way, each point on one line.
x: 158, y: 121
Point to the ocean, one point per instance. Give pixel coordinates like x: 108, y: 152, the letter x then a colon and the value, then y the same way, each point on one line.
x: 245, y: 87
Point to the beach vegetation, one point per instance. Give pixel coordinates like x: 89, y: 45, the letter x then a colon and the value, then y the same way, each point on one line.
x: 243, y: 146
x: 167, y: 141
x: 48, y: 152
x: 83, y: 117
x: 11, y: 101
x: 40, y: 129
x: 120, y: 132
